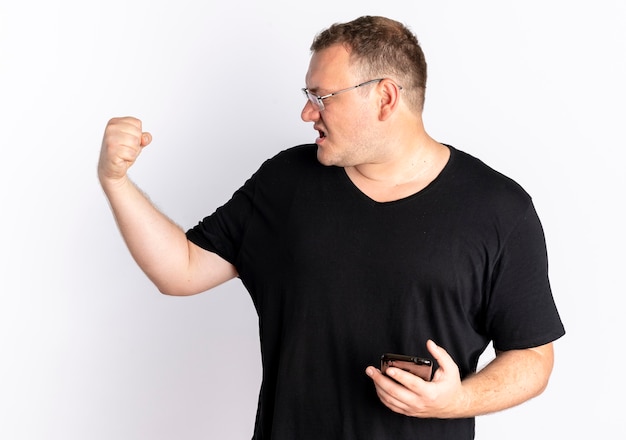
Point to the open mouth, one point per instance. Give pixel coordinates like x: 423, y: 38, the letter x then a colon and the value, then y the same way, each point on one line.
x: 320, y: 131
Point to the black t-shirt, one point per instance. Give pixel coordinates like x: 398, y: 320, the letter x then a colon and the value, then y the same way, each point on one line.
x: 338, y: 279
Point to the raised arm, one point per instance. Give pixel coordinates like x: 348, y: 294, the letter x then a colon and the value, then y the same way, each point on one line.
x: 159, y: 246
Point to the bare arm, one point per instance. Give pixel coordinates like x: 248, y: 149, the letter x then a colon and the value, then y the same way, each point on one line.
x: 159, y: 246
x: 513, y: 377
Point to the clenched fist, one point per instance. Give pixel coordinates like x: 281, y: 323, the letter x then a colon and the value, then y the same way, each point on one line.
x: 122, y: 143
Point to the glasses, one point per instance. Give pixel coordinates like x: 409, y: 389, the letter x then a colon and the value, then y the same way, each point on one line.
x: 318, y: 101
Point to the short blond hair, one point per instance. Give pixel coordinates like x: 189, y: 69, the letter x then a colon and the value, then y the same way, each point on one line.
x: 381, y: 47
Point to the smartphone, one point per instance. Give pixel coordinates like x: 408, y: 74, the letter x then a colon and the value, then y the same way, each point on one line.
x: 419, y: 366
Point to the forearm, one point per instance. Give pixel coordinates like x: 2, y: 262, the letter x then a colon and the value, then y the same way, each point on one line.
x: 157, y: 244
x: 512, y: 378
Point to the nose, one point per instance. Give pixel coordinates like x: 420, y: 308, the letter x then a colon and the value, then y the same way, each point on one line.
x: 309, y: 112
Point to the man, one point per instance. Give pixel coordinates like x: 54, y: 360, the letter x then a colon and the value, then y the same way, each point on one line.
x: 375, y: 239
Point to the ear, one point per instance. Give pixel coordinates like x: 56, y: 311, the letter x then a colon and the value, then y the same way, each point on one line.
x: 389, y: 93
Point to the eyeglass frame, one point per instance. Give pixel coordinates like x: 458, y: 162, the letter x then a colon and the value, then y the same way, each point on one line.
x: 318, y: 101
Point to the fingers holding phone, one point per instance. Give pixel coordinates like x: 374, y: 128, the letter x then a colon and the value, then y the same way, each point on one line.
x: 414, y: 387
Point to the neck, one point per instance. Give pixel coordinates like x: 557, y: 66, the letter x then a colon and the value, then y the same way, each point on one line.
x: 402, y: 163
x: 402, y: 172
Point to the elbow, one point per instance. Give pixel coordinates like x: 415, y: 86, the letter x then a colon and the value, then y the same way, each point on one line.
x: 167, y: 291
x: 542, y: 382
x: 174, y: 289
x: 540, y: 386
x: 175, y: 292
x: 544, y: 362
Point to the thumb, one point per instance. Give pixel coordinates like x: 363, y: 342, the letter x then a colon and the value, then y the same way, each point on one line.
x: 445, y: 361
x: 146, y: 138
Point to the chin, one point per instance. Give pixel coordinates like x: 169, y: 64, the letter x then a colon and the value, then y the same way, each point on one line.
x: 329, y: 157
x: 323, y: 158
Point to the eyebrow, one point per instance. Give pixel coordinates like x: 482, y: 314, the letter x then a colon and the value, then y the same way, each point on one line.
x: 320, y: 91
x: 317, y: 90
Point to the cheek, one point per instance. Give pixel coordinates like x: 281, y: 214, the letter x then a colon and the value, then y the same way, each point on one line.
x: 351, y: 124
x: 351, y: 127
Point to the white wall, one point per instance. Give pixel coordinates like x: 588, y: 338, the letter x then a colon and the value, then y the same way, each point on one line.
x: 90, y: 350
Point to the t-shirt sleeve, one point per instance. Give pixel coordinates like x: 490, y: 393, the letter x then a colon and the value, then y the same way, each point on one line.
x: 522, y: 312
x: 222, y: 232
x: 261, y: 200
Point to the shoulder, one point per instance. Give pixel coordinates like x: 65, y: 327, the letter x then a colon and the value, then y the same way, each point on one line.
x: 300, y: 155
x: 482, y: 194
x: 289, y: 165
x: 282, y: 172
x: 471, y: 173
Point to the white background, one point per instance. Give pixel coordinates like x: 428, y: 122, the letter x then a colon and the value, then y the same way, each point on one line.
x: 90, y: 350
